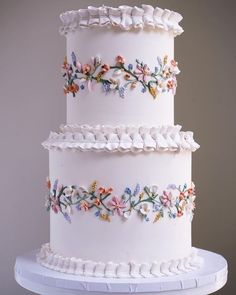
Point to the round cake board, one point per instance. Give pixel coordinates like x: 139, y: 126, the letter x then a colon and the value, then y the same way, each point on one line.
x: 211, y: 277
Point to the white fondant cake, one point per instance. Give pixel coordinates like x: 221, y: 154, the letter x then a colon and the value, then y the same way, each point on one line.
x: 120, y: 192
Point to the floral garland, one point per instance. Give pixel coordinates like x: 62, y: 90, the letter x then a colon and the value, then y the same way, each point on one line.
x: 147, y: 202
x: 78, y: 75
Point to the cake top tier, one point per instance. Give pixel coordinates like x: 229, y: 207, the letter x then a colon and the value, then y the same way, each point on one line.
x: 123, y: 17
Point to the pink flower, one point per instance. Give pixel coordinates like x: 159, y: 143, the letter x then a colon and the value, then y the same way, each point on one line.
x: 120, y: 59
x: 143, y: 72
x: 86, y: 69
x: 117, y: 205
x: 55, y: 205
x: 167, y: 199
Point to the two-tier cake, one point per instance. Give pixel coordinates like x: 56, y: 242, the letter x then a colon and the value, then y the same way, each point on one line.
x: 120, y: 191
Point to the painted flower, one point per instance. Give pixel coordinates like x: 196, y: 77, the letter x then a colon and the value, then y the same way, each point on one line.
x: 174, y: 67
x: 117, y: 205
x: 84, y: 206
x: 97, y: 202
x: 70, y: 191
x: 154, y: 91
x: 96, y: 61
x: 171, y: 84
x: 145, y: 208
x: 86, y: 69
x: 103, y: 191
x: 182, y: 196
x: 157, y: 207
x: 190, y: 206
x: 55, y: 205
x: 168, y: 200
x: 120, y: 59
x: 105, y: 68
x: 128, y: 214
x: 142, y: 72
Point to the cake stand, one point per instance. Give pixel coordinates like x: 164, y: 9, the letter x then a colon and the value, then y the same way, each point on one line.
x: 210, y: 278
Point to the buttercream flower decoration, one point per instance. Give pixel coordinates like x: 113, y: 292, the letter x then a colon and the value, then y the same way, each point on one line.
x: 159, y: 80
x: 145, y: 208
x: 167, y: 199
x: 147, y: 201
x: 117, y: 205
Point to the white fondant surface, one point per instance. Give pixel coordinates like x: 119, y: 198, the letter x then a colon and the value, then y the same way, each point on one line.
x: 119, y: 241
x: 137, y: 108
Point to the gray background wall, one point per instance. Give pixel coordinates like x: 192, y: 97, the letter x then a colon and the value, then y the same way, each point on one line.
x: 32, y: 103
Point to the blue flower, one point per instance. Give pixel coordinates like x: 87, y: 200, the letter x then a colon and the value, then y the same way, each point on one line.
x: 137, y: 189
x: 82, y: 87
x: 144, y: 90
x: 106, y: 87
x: 128, y: 191
x: 67, y: 217
x: 172, y: 186
x: 157, y: 207
x: 130, y: 67
x: 122, y: 92
x: 73, y: 58
x: 159, y: 61
x: 97, y: 214
x: 78, y: 207
x: 55, y: 185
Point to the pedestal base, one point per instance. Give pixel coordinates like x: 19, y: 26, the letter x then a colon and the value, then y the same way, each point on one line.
x: 210, y: 278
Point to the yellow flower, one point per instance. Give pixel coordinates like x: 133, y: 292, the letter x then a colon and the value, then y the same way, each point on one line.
x: 158, y: 216
x: 153, y: 91
x: 165, y: 59
x: 105, y: 217
x: 93, y: 187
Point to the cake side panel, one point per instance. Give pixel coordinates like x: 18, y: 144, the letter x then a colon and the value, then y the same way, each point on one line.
x: 134, y: 239
x: 93, y: 105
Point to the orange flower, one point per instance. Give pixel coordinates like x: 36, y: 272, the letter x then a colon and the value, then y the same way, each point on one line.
x: 105, y: 68
x: 101, y: 190
x: 120, y: 59
x: 48, y: 183
x: 97, y: 202
x: 181, y: 196
x: 171, y: 84
x: 73, y: 88
x: 86, y: 68
x: 127, y: 76
x: 85, y: 206
x: 191, y: 191
x: 174, y: 63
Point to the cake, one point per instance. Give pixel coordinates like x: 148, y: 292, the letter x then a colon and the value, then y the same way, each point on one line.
x: 120, y: 191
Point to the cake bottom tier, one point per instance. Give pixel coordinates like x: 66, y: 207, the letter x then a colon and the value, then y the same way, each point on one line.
x: 71, y: 265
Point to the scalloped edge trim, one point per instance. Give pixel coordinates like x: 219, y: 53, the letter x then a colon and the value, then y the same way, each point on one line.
x: 124, y: 17
x: 71, y: 265
x: 121, y: 139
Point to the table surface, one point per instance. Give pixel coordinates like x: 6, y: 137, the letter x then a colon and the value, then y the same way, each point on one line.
x: 38, y: 279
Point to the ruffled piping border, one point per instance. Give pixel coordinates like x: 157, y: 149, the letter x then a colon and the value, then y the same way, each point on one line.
x: 121, y: 139
x: 47, y: 258
x: 123, y: 17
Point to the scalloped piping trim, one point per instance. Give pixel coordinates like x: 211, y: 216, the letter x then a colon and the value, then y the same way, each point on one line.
x: 124, y: 17
x: 121, y: 138
x: 52, y: 260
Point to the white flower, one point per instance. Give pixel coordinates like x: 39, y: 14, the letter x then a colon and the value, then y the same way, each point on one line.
x: 154, y: 189
x: 128, y: 214
x: 70, y: 191
x: 145, y: 208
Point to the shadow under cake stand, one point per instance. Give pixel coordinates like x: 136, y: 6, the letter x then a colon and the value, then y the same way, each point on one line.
x: 38, y: 279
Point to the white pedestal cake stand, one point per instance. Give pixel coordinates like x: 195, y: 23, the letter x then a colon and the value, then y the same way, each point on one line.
x: 210, y: 278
